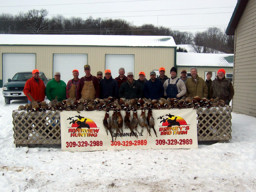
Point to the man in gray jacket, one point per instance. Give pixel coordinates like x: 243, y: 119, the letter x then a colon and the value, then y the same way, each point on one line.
x: 174, y: 87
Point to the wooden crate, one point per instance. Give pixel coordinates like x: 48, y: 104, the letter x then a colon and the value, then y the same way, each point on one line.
x: 43, y: 128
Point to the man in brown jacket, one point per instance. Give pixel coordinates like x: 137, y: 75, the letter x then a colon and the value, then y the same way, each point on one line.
x: 196, y: 85
x: 88, y: 87
x: 222, y: 87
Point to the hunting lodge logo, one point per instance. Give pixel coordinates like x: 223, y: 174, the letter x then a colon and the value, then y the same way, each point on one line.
x: 80, y: 126
x: 172, y: 125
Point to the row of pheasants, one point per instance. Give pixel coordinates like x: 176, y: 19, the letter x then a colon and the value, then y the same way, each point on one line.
x: 122, y: 104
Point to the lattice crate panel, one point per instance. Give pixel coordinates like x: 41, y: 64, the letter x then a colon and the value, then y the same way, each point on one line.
x: 214, y: 124
x: 36, y: 128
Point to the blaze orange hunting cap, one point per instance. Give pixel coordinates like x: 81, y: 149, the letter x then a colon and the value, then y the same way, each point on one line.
x: 161, y: 69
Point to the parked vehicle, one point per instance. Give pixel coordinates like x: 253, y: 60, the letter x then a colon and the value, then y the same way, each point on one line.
x: 13, y: 90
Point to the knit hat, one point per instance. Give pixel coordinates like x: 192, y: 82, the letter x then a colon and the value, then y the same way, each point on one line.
x: 221, y: 70
x: 75, y: 70
x: 35, y: 71
x: 173, y: 69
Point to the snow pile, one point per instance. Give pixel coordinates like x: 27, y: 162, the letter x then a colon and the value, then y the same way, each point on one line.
x: 188, y: 47
x: 217, y: 167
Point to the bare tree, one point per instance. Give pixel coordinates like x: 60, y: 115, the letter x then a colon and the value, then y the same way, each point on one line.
x: 35, y: 20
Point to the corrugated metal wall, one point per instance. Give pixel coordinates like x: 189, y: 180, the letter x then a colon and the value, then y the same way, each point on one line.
x: 146, y: 59
x: 245, y: 62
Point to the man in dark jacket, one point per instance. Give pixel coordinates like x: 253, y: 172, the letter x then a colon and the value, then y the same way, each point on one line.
x: 162, y: 77
x: 99, y: 75
x: 130, y: 89
x: 121, y: 78
x: 142, y: 80
x: 208, y: 82
x: 222, y: 87
x: 108, y: 86
x: 153, y: 88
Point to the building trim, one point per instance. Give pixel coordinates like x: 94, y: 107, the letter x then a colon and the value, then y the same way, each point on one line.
x: 238, y: 12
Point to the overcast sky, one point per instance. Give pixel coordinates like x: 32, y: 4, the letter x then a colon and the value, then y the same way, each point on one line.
x: 183, y: 15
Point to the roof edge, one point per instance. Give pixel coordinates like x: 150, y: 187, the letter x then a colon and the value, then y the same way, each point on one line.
x: 238, y: 12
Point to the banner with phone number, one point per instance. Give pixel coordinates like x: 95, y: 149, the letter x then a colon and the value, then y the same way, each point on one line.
x: 84, y: 131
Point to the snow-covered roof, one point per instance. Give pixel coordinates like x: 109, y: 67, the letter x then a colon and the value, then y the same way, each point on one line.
x: 88, y: 40
x: 205, y: 59
x: 190, y: 48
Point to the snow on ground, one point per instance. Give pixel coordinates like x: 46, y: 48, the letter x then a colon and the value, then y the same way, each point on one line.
x: 217, y: 167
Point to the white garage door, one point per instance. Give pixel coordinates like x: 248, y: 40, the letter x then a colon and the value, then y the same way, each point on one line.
x: 13, y: 63
x: 114, y: 62
x: 66, y: 63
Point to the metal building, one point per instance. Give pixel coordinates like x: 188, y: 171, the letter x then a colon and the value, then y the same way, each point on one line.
x: 63, y: 53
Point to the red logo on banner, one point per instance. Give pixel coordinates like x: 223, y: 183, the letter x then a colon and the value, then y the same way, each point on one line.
x: 82, y: 127
x: 173, y: 125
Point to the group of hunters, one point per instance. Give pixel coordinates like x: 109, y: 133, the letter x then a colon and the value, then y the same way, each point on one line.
x: 90, y: 87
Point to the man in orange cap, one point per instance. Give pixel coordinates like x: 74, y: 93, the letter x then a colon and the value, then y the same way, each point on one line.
x: 71, y: 89
x: 142, y: 80
x: 222, y: 87
x: 108, y: 86
x: 162, y: 77
x: 34, y: 88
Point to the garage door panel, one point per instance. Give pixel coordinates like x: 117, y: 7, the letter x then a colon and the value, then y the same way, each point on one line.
x: 114, y: 62
x: 13, y: 63
x: 66, y: 63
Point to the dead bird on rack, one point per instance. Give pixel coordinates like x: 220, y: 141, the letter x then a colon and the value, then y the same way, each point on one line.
x: 151, y: 121
x: 43, y: 106
x: 127, y: 122
x: 53, y: 104
x: 114, y: 123
x: 135, y: 121
x: 143, y: 122
x: 163, y: 103
x: 119, y: 120
x: 107, y: 124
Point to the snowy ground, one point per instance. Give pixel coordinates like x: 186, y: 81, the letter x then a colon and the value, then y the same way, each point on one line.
x: 217, y: 167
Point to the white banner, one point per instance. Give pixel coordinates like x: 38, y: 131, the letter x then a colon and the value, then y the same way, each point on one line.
x: 175, y: 128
